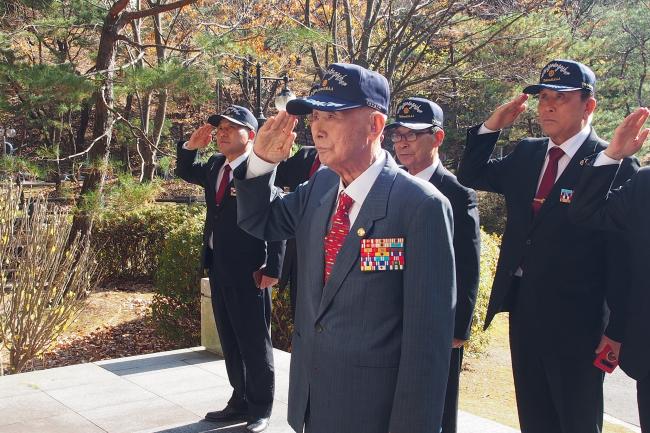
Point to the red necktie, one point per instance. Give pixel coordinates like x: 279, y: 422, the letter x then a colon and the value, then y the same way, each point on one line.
x: 338, y: 232
x: 548, y: 179
x: 223, y: 185
x: 314, y: 166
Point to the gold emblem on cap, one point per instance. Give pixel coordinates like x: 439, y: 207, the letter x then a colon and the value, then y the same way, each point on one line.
x: 324, y: 83
x: 405, y: 110
x: 551, y: 72
x: 361, y: 232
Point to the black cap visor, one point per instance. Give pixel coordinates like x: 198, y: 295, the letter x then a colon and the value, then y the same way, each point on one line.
x: 536, y: 88
x: 321, y: 102
x: 216, y: 118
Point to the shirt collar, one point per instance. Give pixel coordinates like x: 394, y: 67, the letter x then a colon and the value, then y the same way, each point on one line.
x: 571, y: 146
x: 360, y: 187
x: 237, y: 161
x: 428, y: 172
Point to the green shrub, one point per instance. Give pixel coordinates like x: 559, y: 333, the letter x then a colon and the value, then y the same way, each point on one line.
x: 479, y: 339
x: 492, y: 208
x: 281, y: 322
x: 128, y: 193
x: 128, y: 243
x: 176, y: 308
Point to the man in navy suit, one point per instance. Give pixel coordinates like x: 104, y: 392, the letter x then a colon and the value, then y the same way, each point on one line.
x: 375, y: 312
x: 558, y: 280
x: 625, y: 210
x: 241, y: 268
x: 417, y: 133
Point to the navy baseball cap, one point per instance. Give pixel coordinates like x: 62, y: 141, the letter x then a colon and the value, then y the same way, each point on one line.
x: 345, y: 86
x: 564, y: 76
x: 236, y: 114
x: 417, y: 113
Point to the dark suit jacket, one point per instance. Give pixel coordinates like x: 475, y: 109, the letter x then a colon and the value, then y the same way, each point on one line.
x: 370, y: 349
x: 571, y: 270
x: 626, y: 209
x: 288, y: 176
x: 238, y: 254
x: 467, y: 246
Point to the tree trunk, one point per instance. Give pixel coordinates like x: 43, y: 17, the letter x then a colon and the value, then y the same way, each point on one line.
x: 103, y: 125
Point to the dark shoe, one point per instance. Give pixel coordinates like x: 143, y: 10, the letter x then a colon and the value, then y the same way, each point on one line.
x: 228, y: 414
x: 257, y: 425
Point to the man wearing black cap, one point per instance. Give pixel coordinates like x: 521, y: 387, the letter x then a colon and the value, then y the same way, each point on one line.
x: 626, y: 211
x: 558, y: 280
x: 375, y: 311
x: 416, y: 135
x: 241, y: 269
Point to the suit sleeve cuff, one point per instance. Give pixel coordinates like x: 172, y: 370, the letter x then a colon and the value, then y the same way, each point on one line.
x: 485, y: 130
x: 603, y: 159
x: 258, y: 167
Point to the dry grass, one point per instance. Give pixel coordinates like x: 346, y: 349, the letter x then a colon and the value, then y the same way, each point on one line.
x: 487, y: 388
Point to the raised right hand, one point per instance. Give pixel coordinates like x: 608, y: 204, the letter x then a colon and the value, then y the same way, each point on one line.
x: 628, y: 136
x: 506, y: 114
x: 274, y: 140
x: 200, y: 138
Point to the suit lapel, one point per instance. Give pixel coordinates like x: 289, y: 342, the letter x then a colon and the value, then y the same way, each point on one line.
x: 374, y: 208
x: 320, y: 221
x: 532, y: 175
x: 438, y: 176
x: 569, y: 177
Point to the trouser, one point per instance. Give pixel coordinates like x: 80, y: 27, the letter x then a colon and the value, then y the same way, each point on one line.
x: 243, y: 317
x: 556, y: 391
x: 450, y: 413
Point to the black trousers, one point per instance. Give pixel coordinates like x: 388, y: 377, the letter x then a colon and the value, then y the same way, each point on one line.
x: 450, y: 413
x: 643, y: 397
x: 556, y: 392
x: 243, y: 317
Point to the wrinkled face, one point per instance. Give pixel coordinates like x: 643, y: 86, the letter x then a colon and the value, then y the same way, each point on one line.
x: 414, y: 154
x: 342, y: 137
x: 563, y: 114
x: 232, y: 138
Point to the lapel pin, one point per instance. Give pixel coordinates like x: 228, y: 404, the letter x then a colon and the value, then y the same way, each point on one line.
x: 361, y: 232
x: 233, y: 191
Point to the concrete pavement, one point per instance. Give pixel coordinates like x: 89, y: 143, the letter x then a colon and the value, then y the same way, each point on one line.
x: 165, y: 392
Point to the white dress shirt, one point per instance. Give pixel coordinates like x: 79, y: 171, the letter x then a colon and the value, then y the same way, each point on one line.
x: 428, y: 172
x: 357, y: 190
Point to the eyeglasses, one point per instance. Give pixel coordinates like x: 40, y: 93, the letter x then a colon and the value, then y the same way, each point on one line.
x: 411, y: 136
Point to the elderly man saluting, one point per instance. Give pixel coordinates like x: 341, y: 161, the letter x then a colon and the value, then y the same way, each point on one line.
x: 375, y: 311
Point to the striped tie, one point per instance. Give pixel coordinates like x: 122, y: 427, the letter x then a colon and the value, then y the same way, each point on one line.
x: 338, y: 232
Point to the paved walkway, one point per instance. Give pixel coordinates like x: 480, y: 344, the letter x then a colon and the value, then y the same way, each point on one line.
x: 165, y: 392
x: 170, y: 392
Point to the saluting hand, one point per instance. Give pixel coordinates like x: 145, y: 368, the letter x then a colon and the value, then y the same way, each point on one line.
x: 274, y: 140
x: 628, y: 137
x: 200, y: 138
x: 506, y: 114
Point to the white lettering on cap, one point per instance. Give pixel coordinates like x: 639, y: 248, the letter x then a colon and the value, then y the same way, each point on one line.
x: 335, y: 75
x: 557, y: 67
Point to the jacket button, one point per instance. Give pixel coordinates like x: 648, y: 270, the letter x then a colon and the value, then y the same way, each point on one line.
x: 528, y: 242
x: 319, y: 328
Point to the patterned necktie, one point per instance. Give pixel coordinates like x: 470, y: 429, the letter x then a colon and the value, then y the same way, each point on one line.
x: 223, y: 185
x: 314, y: 167
x: 338, y: 232
x: 548, y: 179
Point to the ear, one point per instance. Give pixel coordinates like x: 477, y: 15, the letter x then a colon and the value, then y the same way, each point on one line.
x: 438, y: 137
x: 377, y: 123
x: 590, y: 107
